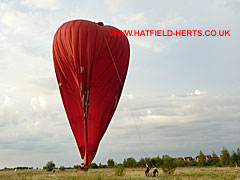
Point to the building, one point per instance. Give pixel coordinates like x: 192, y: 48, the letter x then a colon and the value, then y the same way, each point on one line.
x: 187, y: 159
x: 207, y: 157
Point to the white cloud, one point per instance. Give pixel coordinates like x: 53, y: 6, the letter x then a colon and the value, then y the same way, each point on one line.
x: 5, y: 105
x: 163, y: 123
x: 32, y: 118
x: 39, y: 103
x: 178, y: 109
x: 8, y: 114
x: 165, y: 120
x: 115, y: 5
x: 130, y: 96
x: 42, y: 4
x: 149, y: 112
x: 174, y: 22
x: 130, y: 20
x: 17, y: 22
x: 199, y: 92
x: 37, y: 86
x: 24, y: 32
x: 7, y: 102
x: 141, y: 21
x: 153, y: 43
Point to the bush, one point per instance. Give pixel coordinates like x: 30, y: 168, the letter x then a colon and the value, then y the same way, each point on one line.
x: 61, y: 168
x: 141, y: 163
x: 180, y: 163
x: 202, y: 159
x: 92, y: 166
x: 102, y: 165
x: 157, y: 161
x: 225, y: 157
x: 119, y: 170
x: 49, y: 166
x: 192, y: 163
x: 110, y: 163
x: 215, y: 159
x: 129, y: 162
x: 169, y: 165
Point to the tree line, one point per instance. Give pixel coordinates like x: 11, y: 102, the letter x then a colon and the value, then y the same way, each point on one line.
x: 225, y: 159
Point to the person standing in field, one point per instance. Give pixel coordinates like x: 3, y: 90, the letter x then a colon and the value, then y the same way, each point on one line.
x: 155, y: 172
x: 147, y: 170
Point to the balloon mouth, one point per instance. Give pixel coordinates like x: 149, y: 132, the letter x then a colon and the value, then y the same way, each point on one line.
x: 100, y: 23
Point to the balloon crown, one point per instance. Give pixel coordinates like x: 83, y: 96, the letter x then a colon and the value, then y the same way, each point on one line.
x: 100, y: 23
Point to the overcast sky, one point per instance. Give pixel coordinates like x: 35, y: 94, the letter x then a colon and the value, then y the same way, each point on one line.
x: 181, y: 93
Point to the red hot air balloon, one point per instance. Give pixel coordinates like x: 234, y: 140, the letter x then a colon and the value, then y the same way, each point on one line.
x: 91, y: 67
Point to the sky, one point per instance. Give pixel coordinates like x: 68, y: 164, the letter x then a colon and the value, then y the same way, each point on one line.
x: 181, y: 93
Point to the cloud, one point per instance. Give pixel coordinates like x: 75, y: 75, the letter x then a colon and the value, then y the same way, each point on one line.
x: 32, y: 118
x: 151, y: 125
x: 42, y: 4
x: 31, y: 26
x: 8, y: 113
x: 141, y: 21
x: 7, y: 102
x: 177, y: 110
x: 9, y: 16
x: 38, y: 103
x: 152, y: 43
x: 114, y: 6
x: 186, y: 122
x: 130, y: 96
x: 38, y: 86
x: 231, y: 3
x: 35, y: 128
x: 164, y: 120
x: 198, y: 92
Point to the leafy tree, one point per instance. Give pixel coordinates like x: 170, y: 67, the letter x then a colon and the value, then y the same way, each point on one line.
x: 233, y: 158
x: 157, y: 161
x: 102, y: 165
x: 180, y: 163
x: 225, y: 157
x: 49, y: 166
x: 141, y: 162
x: 130, y: 162
x: 215, y: 159
x: 61, y: 168
x: 169, y: 165
x: 238, y: 156
x: 202, y: 159
x: 110, y: 163
x: 75, y: 166
x: 119, y: 170
x: 148, y: 161
x: 209, y: 162
x: 192, y: 163
x: 92, y: 166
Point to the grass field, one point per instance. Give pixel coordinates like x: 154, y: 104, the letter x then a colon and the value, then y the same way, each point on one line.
x: 218, y: 173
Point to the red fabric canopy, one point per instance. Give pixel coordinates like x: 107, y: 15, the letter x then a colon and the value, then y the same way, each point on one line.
x: 91, y: 67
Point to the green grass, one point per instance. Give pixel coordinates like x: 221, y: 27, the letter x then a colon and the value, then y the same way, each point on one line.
x: 217, y: 173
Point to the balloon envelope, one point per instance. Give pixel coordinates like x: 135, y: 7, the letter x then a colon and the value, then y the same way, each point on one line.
x: 91, y: 67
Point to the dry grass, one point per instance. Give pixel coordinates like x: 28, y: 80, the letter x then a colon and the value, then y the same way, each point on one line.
x: 217, y: 173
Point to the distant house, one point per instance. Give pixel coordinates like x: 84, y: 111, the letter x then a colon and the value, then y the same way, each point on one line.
x: 187, y: 159
x: 207, y: 157
x: 180, y: 159
x: 197, y: 159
